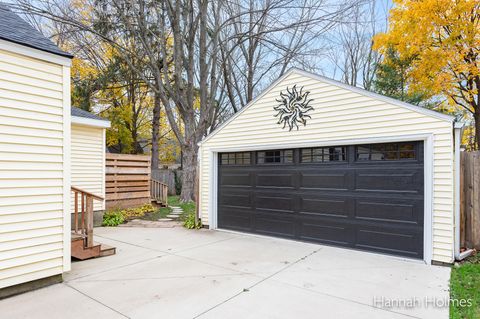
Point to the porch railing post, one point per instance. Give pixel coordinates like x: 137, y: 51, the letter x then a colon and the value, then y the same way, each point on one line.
x: 89, y: 211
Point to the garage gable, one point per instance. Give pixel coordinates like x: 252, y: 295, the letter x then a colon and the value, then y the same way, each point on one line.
x: 333, y: 115
x: 328, y: 104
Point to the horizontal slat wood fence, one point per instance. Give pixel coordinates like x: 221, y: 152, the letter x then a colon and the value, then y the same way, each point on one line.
x: 127, y: 180
x: 470, y: 199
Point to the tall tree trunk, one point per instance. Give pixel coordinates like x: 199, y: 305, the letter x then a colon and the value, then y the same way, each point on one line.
x: 476, y: 117
x: 189, y: 163
x: 156, y: 131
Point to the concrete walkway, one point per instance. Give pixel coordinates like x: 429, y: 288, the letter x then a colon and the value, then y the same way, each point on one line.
x: 179, y: 273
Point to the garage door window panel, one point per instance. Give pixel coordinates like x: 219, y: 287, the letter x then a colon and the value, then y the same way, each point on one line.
x: 275, y: 157
x: 386, y: 152
x: 241, y: 158
x: 323, y: 154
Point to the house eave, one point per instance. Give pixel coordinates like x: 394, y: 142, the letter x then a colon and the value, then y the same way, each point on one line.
x: 90, y: 122
x: 35, y: 53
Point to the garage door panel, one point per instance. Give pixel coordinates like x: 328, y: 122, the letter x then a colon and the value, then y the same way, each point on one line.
x: 236, y: 179
x: 327, y: 179
x: 388, y: 209
x: 390, y: 240
x: 327, y: 232
x: 274, y: 224
x: 390, y: 180
x: 271, y: 202
x: 236, y: 199
x: 235, y: 218
x: 325, y: 206
x: 275, y: 180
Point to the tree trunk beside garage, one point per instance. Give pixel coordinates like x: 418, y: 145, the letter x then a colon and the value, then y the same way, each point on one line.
x: 189, y: 175
x: 155, y: 131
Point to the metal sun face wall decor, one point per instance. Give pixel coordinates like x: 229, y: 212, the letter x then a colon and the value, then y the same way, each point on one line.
x: 293, y: 107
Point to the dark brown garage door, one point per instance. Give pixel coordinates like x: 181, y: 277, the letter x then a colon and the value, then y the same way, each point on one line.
x: 367, y: 197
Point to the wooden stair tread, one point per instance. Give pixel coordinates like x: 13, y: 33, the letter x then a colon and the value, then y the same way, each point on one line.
x: 77, y: 237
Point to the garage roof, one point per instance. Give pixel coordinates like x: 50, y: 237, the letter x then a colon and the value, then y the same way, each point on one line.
x: 355, y: 89
x: 15, y: 29
x: 82, y: 113
x: 83, y: 117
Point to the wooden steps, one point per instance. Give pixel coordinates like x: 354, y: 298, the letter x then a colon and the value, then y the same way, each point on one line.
x: 159, y: 203
x: 106, y: 250
x: 80, y: 251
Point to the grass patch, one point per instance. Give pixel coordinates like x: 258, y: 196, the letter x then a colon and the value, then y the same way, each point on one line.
x: 465, y: 285
x: 188, y: 216
x: 161, y: 212
x: 174, y: 201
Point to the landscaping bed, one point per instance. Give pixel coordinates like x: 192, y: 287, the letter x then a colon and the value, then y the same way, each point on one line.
x: 465, y: 285
x: 149, y: 212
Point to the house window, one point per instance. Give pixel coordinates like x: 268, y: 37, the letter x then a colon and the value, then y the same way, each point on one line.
x: 386, y: 152
x: 275, y: 157
x: 324, y: 154
x: 241, y: 158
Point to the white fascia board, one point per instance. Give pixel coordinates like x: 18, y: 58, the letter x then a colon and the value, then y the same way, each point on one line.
x: 323, y: 79
x: 459, y: 125
x: 90, y: 122
x: 35, y: 53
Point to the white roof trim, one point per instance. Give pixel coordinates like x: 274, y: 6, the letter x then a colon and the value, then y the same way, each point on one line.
x: 35, y: 53
x: 90, y: 122
x: 459, y: 125
x: 323, y: 79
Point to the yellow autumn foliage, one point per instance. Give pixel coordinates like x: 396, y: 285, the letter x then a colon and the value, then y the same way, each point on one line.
x: 444, y: 36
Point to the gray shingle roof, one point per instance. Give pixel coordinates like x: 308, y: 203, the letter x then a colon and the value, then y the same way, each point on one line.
x: 82, y: 113
x: 15, y: 29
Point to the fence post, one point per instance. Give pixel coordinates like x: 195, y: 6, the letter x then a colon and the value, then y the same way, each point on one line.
x: 476, y: 200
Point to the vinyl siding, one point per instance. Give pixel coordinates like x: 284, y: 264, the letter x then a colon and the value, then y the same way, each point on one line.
x: 341, y: 114
x: 31, y: 169
x: 88, y: 161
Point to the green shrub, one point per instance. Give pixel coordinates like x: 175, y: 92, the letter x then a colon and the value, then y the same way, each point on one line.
x: 112, y: 219
x: 178, y: 182
x: 189, y: 221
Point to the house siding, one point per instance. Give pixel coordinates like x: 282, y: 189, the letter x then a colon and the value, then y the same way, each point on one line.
x: 88, y: 161
x: 32, y: 168
x: 341, y: 114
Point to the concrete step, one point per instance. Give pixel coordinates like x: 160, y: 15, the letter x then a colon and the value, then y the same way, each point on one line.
x: 173, y: 216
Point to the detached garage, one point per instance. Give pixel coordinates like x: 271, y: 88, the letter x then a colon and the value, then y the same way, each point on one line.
x: 316, y: 160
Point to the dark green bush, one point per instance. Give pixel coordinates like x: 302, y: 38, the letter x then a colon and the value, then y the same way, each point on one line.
x: 112, y: 219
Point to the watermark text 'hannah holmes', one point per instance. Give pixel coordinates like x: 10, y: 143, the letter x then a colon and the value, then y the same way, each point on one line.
x: 417, y: 302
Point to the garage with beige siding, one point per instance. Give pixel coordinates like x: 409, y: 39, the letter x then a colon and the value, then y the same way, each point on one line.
x: 34, y: 155
x: 391, y: 154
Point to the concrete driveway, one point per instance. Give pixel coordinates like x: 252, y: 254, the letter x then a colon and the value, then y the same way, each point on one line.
x: 178, y: 273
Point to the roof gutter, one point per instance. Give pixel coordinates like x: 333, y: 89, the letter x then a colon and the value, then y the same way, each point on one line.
x: 458, y: 128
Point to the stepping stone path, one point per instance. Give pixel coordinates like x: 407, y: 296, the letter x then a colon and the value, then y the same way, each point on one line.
x: 172, y: 220
x: 176, y: 212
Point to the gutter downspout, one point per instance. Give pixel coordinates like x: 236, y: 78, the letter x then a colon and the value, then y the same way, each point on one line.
x: 458, y: 130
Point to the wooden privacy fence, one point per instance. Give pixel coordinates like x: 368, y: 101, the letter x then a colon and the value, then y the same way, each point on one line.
x: 167, y: 176
x: 470, y: 199
x: 127, y: 180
